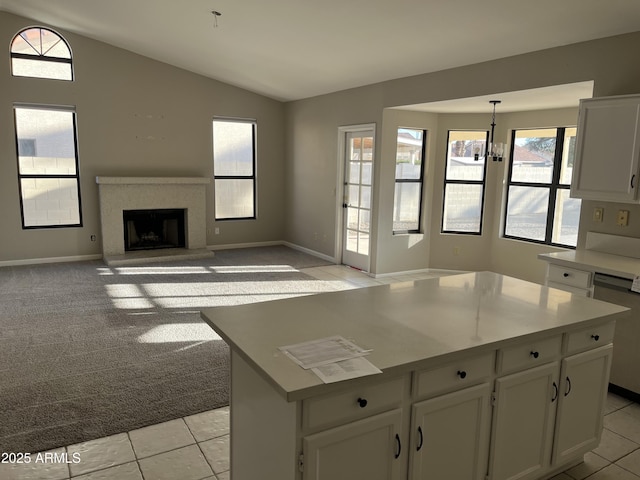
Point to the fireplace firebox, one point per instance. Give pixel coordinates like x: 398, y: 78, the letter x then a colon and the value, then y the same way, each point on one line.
x: 152, y: 229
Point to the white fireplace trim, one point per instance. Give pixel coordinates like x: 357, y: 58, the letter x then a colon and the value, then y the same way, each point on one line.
x: 117, y: 194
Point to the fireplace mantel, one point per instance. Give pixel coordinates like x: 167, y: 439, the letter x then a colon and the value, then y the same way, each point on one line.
x: 118, y: 194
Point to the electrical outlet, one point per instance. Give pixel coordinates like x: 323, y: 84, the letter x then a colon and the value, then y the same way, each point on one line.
x: 598, y: 214
x: 623, y: 218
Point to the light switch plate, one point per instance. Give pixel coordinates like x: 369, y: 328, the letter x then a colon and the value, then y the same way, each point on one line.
x: 598, y: 214
x: 623, y: 218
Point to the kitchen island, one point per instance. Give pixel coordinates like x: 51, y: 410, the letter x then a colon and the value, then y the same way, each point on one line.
x: 482, y: 375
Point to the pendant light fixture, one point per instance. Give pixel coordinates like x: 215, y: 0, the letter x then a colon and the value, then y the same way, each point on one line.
x: 495, y: 151
x: 215, y: 14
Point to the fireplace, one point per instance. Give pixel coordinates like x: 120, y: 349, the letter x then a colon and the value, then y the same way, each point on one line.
x: 176, y: 201
x: 150, y: 229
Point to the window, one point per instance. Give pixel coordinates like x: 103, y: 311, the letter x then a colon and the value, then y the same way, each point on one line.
x: 41, y: 53
x: 538, y: 205
x: 47, y: 166
x: 464, y: 182
x: 234, y: 159
x: 407, y: 202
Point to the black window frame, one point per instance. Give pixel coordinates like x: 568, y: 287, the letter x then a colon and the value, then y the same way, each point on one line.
x: 465, y: 182
x: 22, y: 176
x: 252, y: 177
x: 553, y: 188
x: 419, y: 181
x: 42, y: 56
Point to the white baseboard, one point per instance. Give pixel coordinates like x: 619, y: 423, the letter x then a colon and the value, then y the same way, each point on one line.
x: 270, y: 244
x: 310, y: 252
x: 435, y: 271
x: 36, y: 261
x: 244, y: 245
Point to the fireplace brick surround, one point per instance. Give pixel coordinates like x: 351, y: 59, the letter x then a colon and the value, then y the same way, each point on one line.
x: 117, y: 194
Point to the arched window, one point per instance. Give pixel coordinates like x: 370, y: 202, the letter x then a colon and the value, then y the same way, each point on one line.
x: 41, y: 53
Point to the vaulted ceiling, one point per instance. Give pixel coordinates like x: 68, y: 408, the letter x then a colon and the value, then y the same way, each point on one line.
x: 294, y: 49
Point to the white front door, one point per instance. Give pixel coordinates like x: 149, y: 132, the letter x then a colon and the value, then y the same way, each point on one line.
x: 358, y: 181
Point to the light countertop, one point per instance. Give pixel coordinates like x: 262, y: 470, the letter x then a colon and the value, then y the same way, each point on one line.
x: 407, y: 325
x: 617, y: 265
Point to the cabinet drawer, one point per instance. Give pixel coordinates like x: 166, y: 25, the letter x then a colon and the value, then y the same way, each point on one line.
x: 569, y: 276
x: 591, y: 337
x: 529, y: 354
x: 353, y: 404
x: 583, y: 292
x: 454, y: 375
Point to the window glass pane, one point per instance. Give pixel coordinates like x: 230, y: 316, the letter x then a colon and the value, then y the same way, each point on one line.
x: 462, y: 208
x: 24, y: 46
x: 363, y: 243
x: 366, y: 173
x: 533, y: 155
x: 409, y: 154
x: 527, y: 212
x: 354, y: 172
x: 50, y: 201
x: 566, y: 219
x: 40, y: 69
x: 354, y: 195
x: 46, y: 141
x: 365, y: 197
x: 232, y: 148
x: 568, y: 156
x: 352, y: 218
x: 406, y: 208
x: 363, y: 224
x: 465, y: 160
x: 234, y: 198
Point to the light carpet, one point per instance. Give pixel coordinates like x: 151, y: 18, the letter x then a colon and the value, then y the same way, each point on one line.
x: 88, y: 350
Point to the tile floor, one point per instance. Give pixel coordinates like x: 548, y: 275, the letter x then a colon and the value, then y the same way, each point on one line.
x: 197, y: 447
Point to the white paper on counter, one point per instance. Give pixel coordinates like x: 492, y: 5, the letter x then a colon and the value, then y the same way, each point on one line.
x: 346, y: 369
x: 635, y: 286
x: 323, y: 351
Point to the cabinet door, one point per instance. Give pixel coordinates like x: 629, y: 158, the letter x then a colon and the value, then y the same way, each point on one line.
x: 369, y: 449
x: 450, y: 435
x: 523, y: 417
x: 607, y: 150
x: 583, y: 392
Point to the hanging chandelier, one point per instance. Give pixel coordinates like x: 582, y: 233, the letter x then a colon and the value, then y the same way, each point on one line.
x: 495, y: 150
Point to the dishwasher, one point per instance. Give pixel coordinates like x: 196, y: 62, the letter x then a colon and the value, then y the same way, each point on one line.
x: 625, y: 367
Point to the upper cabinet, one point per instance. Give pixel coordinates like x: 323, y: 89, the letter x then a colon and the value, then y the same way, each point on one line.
x: 608, y: 149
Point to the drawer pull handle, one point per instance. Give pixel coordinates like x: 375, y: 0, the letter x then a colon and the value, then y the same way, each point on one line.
x: 362, y: 402
x: 565, y: 274
x: 568, y: 390
x: 555, y: 392
x: 462, y: 373
x: 595, y: 337
x: 421, y: 439
x: 535, y: 354
x: 399, y: 446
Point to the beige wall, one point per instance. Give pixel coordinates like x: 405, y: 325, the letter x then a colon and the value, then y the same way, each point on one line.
x: 311, y: 143
x: 115, y: 93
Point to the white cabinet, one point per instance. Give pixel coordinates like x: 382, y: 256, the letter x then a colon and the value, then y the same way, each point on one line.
x: 525, y: 405
x: 525, y: 411
x: 607, y: 149
x: 370, y: 449
x: 583, y: 387
x: 449, y: 435
x: 570, y: 279
x: 547, y: 416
